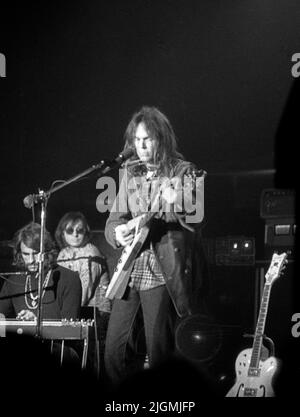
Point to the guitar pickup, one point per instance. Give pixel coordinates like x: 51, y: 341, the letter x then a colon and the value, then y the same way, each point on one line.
x: 254, y: 372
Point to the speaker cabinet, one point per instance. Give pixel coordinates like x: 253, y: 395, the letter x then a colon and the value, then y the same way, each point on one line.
x: 232, y: 305
x: 232, y: 299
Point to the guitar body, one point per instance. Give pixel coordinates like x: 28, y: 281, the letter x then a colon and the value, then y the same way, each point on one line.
x: 254, y: 376
x: 120, y: 276
x: 253, y: 386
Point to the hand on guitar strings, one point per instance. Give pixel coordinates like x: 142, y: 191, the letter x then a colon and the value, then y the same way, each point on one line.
x: 124, y: 235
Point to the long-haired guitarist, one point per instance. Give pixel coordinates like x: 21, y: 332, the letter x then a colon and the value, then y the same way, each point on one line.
x: 155, y: 219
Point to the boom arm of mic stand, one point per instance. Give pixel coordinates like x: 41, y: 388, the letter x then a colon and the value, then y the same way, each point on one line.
x: 43, y: 197
x: 76, y: 178
x: 104, y: 166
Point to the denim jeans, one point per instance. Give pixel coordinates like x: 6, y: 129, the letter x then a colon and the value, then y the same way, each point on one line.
x: 159, y: 317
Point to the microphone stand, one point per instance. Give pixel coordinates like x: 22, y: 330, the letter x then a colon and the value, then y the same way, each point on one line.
x: 41, y: 261
x: 43, y: 197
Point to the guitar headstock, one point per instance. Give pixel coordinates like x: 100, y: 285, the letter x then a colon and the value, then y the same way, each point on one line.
x: 193, y: 179
x: 195, y: 174
x: 278, y: 263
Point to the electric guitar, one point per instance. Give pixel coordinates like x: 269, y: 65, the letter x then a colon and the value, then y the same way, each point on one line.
x: 140, y: 226
x: 253, y: 375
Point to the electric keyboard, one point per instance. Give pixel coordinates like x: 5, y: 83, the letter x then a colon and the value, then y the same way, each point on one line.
x: 50, y: 329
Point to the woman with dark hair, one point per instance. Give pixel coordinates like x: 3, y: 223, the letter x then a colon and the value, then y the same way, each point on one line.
x: 162, y: 279
x: 79, y: 254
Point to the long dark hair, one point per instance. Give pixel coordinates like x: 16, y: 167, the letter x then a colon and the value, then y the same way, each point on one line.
x: 71, y: 217
x: 159, y: 128
x: 30, y: 236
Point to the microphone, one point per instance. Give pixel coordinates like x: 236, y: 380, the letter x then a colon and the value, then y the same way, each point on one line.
x: 30, y: 200
x: 127, y: 153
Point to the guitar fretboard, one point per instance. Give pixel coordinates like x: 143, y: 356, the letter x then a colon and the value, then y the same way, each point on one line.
x: 260, y: 327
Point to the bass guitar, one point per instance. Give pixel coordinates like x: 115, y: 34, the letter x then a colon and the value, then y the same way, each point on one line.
x: 254, y: 375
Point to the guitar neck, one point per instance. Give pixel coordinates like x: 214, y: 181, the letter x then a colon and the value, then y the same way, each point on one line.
x: 146, y: 218
x: 190, y: 183
x: 260, y: 327
x: 277, y: 265
x: 143, y: 219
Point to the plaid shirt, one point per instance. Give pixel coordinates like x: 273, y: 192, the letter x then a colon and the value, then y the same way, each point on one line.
x: 146, y: 272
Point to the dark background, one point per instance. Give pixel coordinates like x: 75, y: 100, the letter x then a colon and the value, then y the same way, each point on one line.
x: 220, y: 70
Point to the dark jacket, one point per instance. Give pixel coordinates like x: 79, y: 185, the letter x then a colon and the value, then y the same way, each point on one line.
x: 175, y: 239
x: 61, y: 300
